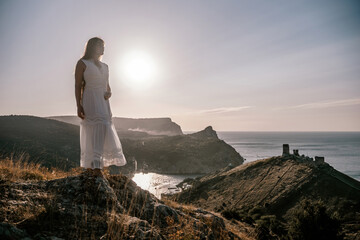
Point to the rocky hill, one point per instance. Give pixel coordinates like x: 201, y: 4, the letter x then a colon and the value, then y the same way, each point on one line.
x: 202, y: 152
x: 87, y: 206
x: 276, y: 186
x: 151, y: 126
x: 56, y: 144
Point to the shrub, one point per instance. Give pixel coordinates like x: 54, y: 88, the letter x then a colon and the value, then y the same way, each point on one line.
x: 311, y: 221
x: 29, y: 175
x: 273, y: 225
x: 240, y: 215
x: 230, y: 214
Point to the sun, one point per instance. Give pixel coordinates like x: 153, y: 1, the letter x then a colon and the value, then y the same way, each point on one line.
x: 138, y: 69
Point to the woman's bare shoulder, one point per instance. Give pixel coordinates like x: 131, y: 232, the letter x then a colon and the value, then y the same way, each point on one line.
x: 81, y: 63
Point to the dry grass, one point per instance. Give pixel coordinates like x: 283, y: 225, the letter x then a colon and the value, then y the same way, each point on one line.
x: 243, y: 230
x: 20, y: 169
x: 184, y: 230
x: 186, y: 208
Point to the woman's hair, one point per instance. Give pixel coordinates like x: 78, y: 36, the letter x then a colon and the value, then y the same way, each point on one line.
x: 89, y: 53
x: 90, y: 47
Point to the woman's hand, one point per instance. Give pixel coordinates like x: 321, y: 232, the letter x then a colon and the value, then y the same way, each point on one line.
x: 80, y: 112
x: 107, y: 95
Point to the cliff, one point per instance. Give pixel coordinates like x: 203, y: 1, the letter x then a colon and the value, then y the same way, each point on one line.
x: 208, y: 132
x: 151, y: 126
x: 86, y: 206
x: 201, y: 152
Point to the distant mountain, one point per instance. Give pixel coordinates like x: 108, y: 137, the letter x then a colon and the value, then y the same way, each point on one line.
x: 151, y: 126
x: 57, y: 144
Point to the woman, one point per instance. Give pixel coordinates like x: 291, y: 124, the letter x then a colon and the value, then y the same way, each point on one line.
x: 99, y: 142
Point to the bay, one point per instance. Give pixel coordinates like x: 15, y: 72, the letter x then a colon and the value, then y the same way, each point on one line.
x: 340, y: 149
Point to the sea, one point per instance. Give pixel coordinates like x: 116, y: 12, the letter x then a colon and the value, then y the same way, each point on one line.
x: 340, y: 149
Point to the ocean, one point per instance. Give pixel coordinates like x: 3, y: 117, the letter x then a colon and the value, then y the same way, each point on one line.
x: 340, y: 149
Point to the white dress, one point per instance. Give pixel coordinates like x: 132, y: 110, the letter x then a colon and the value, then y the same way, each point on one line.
x: 99, y: 142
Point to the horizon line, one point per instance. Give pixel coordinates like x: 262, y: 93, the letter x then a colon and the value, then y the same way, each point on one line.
x: 273, y: 131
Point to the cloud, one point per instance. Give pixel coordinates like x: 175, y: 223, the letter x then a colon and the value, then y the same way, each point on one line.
x: 328, y: 104
x: 222, y: 110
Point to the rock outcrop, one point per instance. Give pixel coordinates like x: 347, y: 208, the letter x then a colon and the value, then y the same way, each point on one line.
x: 92, y: 207
x: 208, y: 132
x: 201, y: 152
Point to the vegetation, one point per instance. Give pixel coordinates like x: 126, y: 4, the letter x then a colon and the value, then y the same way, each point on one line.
x: 266, y: 226
x: 47, y: 142
x: 312, y: 221
x: 21, y: 169
x: 81, y: 206
x: 265, y: 193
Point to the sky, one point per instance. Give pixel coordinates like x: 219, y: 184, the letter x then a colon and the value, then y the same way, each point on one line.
x: 233, y: 65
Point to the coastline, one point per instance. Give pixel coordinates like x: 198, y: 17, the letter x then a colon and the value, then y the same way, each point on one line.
x: 340, y: 149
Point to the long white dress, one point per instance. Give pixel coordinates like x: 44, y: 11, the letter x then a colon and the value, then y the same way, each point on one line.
x: 99, y: 142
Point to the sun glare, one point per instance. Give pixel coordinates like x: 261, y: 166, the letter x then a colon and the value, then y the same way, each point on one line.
x: 142, y: 180
x: 138, y: 69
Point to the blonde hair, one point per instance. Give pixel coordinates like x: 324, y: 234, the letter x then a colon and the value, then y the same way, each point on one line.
x: 89, y: 53
x: 90, y: 47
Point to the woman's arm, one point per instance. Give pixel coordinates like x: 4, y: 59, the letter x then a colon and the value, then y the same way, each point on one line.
x: 108, y: 92
x: 108, y: 89
x: 79, y: 74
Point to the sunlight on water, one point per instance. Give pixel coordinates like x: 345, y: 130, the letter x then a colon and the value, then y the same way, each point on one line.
x: 158, y: 184
x: 143, y: 180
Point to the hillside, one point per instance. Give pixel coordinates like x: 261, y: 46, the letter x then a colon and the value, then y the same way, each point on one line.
x: 56, y: 144
x: 86, y: 206
x: 276, y: 186
x: 201, y: 152
x: 49, y: 142
x: 151, y: 126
